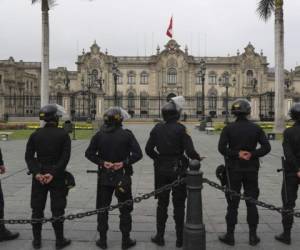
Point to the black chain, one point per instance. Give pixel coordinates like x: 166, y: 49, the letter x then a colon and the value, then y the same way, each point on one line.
x: 250, y: 199
x: 62, y: 218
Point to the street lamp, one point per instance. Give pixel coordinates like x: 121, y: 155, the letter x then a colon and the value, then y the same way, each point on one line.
x: 115, y: 72
x: 92, y: 82
x: 225, y: 83
x: 202, y: 75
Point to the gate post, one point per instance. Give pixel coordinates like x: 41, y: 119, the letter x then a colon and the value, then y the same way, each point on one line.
x: 194, y: 229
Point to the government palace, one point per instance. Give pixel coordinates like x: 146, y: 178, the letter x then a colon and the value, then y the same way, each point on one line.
x: 142, y: 84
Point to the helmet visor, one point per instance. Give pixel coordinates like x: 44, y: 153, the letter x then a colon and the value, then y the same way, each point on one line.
x: 179, y: 102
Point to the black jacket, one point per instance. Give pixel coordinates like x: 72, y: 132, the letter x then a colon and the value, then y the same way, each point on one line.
x: 170, y: 140
x: 291, y: 147
x: 243, y: 135
x: 116, y: 145
x: 52, y: 147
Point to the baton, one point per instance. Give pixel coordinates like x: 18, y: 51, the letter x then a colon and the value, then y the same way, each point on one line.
x: 284, y: 178
x: 228, y: 179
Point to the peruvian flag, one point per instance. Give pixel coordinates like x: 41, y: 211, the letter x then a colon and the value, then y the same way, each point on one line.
x: 170, y: 28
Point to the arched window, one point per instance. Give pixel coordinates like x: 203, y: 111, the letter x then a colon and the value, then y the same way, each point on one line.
x: 144, y: 101
x: 131, y: 101
x: 144, y: 78
x: 94, y: 76
x: 212, y: 99
x: 198, y: 78
x: 172, y: 76
x: 250, y: 77
x: 131, y: 77
x: 212, y: 78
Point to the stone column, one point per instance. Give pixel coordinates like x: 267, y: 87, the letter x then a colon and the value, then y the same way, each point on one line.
x: 255, y: 107
x: 287, y: 104
x: 100, y: 106
x: 2, y: 106
x: 67, y: 105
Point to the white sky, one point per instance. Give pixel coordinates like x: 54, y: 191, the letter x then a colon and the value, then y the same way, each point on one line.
x: 136, y: 27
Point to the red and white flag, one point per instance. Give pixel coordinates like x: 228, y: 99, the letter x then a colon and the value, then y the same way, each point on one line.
x: 170, y: 28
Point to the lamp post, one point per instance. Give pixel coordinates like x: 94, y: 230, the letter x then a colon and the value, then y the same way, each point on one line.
x: 92, y: 82
x: 115, y: 72
x: 226, y: 84
x: 202, y: 74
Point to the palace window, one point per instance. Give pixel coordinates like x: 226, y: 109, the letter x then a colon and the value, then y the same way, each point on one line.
x: 131, y: 77
x: 172, y: 76
x: 212, y: 79
x: 144, y: 101
x: 212, y: 102
x: 131, y: 101
x: 249, y: 77
x: 144, y: 78
x: 198, y: 78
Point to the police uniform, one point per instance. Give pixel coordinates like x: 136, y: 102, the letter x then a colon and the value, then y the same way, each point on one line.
x: 242, y: 135
x: 52, y: 147
x: 114, y: 144
x: 167, y: 144
x: 291, y: 149
x: 4, y: 233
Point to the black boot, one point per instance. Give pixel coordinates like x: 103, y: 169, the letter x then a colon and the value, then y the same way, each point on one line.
x: 285, y: 237
x: 102, y: 241
x: 6, y: 235
x: 61, y: 241
x: 127, y: 242
x: 158, y: 240
x: 227, y: 238
x: 179, y: 238
x: 253, y: 238
x: 37, y: 236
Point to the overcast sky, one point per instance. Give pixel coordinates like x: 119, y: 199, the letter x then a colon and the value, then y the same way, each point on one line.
x: 136, y: 27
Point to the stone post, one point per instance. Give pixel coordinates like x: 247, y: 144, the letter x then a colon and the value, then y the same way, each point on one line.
x: 255, y: 107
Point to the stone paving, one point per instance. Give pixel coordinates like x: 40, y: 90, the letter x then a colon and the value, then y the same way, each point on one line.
x: 16, y: 186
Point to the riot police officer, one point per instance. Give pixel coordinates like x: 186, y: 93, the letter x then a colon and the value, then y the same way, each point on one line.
x: 114, y: 150
x: 167, y: 146
x: 4, y: 233
x: 291, y: 149
x: 47, y: 155
x: 238, y: 144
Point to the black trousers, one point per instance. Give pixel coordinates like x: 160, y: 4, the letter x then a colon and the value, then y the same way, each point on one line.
x: 1, y: 203
x: 58, y: 197
x: 104, y: 198
x: 289, y: 198
x: 249, y: 181
x: 178, y: 198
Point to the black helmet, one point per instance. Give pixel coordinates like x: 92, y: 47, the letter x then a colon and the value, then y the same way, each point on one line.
x: 295, y: 112
x: 170, y: 111
x: 51, y: 113
x: 114, y: 116
x: 241, y: 107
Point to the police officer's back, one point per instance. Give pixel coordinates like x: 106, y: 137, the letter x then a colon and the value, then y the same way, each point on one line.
x: 291, y: 149
x: 167, y: 146
x: 47, y: 155
x: 114, y: 150
x: 238, y: 144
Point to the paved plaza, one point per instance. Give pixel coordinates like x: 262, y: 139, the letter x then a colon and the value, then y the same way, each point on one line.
x: 17, y: 185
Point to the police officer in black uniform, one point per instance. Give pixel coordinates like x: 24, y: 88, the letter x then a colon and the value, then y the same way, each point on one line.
x: 238, y: 145
x: 291, y: 149
x: 114, y: 150
x: 47, y: 155
x: 167, y: 144
x: 4, y: 233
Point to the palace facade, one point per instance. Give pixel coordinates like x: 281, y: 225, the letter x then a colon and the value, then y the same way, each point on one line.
x: 144, y: 84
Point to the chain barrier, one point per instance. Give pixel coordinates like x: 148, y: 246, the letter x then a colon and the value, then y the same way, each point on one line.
x: 230, y: 192
x: 70, y: 217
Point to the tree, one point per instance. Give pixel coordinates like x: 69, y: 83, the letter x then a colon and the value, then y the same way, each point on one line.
x: 265, y: 10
